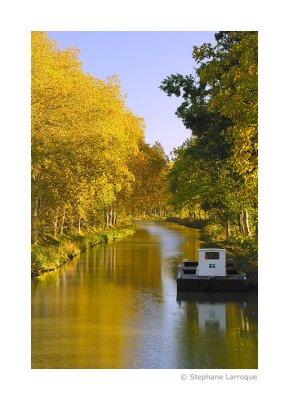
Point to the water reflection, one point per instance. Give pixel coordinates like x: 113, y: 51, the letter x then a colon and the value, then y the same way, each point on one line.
x: 116, y: 306
x: 212, y: 316
x: 221, y: 327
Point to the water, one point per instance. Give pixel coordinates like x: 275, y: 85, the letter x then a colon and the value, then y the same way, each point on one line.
x: 117, y: 307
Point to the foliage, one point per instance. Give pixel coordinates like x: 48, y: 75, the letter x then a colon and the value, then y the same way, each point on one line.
x: 216, y: 169
x: 85, y: 146
x: 150, y: 187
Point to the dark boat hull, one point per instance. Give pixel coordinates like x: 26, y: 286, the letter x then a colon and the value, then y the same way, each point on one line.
x: 216, y: 297
x: 216, y: 284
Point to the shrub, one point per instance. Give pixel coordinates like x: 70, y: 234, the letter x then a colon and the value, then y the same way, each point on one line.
x: 43, y: 259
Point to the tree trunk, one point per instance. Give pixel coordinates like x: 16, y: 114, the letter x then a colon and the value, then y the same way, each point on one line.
x: 246, y: 223
x: 108, y: 216
x: 240, y: 223
x: 34, y: 214
x: 56, y: 222
x: 228, y: 230
x: 113, y: 216
x: 79, y: 225
x: 62, y: 220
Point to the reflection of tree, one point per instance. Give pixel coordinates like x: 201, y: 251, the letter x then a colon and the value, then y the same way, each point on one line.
x: 111, y: 301
x: 97, y: 314
x: 132, y: 266
x: 187, y: 248
x: 218, y: 335
x: 241, y: 321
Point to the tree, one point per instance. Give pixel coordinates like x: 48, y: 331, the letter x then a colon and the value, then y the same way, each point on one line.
x: 86, y: 146
x: 220, y: 107
x: 149, y: 189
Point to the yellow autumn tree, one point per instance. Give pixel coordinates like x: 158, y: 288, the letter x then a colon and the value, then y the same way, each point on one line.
x: 84, y: 139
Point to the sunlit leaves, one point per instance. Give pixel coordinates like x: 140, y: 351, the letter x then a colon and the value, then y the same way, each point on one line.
x: 83, y: 140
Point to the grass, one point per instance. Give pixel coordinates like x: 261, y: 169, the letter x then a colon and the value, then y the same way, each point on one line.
x: 49, y: 253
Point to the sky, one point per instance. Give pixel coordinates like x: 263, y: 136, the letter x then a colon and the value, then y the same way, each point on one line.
x: 141, y: 60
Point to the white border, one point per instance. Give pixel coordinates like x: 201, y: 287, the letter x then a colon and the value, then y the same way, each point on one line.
x: 22, y: 17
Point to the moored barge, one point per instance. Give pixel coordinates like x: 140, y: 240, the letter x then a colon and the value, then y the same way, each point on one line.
x: 211, y: 273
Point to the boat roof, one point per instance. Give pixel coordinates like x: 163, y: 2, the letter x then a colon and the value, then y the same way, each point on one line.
x: 212, y: 249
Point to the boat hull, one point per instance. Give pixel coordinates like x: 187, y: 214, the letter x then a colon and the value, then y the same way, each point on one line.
x: 216, y: 284
x: 216, y: 297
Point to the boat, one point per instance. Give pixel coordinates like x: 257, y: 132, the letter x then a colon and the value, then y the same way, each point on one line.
x: 211, y: 273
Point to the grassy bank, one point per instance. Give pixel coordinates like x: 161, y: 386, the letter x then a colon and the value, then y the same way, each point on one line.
x: 243, y: 251
x: 49, y: 253
x: 196, y: 223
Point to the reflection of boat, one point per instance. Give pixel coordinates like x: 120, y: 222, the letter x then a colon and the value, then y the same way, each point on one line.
x: 210, y: 273
x: 212, y: 316
x: 215, y: 297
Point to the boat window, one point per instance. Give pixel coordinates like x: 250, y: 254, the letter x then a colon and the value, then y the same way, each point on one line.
x: 212, y: 255
x: 189, y: 271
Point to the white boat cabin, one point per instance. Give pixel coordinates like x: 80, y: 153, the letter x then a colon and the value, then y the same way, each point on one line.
x: 212, y: 262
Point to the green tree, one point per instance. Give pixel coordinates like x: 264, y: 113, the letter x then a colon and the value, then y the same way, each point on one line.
x: 220, y: 107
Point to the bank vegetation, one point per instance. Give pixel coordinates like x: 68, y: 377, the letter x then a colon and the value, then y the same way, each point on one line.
x: 214, y: 173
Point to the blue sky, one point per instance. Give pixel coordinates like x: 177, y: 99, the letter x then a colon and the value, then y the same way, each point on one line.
x: 141, y: 60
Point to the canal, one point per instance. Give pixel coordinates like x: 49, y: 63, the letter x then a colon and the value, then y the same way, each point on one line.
x: 116, y: 306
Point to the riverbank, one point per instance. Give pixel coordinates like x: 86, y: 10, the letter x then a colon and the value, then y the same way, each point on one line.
x: 50, y: 252
x: 243, y: 251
